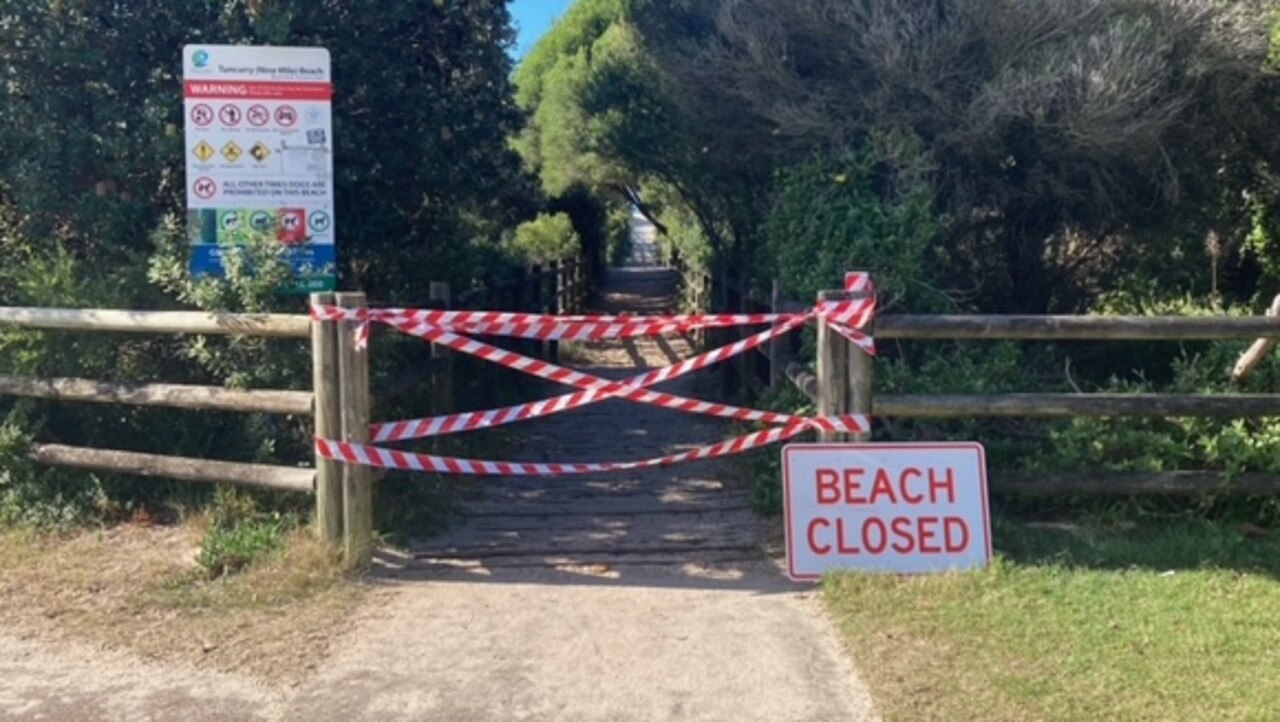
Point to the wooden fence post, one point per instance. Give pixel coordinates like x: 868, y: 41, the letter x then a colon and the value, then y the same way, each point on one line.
x: 328, y: 423
x: 357, y: 480
x: 580, y: 283
x: 775, y: 346
x: 833, y: 364
x: 861, y: 377
x: 549, y: 295
x: 442, y: 379
x: 561, y: 304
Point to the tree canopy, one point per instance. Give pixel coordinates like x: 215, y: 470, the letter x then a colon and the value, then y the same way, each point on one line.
x: 1062, y: 140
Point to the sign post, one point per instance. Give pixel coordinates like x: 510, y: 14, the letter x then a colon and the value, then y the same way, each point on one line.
x: 906, y: 508
x: 259, y: 152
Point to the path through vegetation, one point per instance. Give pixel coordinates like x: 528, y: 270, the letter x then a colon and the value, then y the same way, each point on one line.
x: 640, y: 596
x: 615, y: 597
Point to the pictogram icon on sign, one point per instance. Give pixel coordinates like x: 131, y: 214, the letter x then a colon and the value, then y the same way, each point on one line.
x: 286, y: 115
x: 320, y: 221
x: 205, y: 187
x: 292, y: 226
x: 203, y: 151
x: 201, y: 114
x: 229, y: 115
x: 259, y: 151
x: 261, y: 221
x: 230, y: 221
x: 258, y: 115
x: 231, y: 151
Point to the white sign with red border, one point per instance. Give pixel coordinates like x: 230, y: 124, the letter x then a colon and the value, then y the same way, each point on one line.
x: 907, y: 508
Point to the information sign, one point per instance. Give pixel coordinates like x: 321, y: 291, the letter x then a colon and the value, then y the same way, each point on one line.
x: 259, y: 157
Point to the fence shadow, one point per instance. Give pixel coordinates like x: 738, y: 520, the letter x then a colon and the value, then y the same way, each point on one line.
x: 758, y: 576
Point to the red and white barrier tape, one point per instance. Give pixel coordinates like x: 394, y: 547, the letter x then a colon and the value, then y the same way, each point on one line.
x: 446, y: 327
x: 367, y: 455
x: 595, y: 389
x: 587, y: 328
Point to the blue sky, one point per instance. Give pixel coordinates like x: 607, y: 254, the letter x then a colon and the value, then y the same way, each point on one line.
x: 533, y: 18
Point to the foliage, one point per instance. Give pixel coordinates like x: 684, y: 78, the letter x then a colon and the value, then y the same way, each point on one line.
x: 91, y: 192
x: 765, y: 466
x: 239, y: 533
x: 869, y: 209
x: 591, y: 217
x: 592, y: 111
x: 91, y: 149
x: 30, y: 497
x: 1062, y: 131
x: 619, y: 233
x: 546, y: 238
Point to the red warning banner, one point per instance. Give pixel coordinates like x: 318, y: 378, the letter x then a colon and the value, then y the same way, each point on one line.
x: 258, y: 90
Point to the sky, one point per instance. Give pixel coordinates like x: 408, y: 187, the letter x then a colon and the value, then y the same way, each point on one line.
x: 533, y: 18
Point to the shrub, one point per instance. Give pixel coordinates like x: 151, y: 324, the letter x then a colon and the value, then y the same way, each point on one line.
x: 546, y: 238
x: 239, y: 534
x: 868, y: 209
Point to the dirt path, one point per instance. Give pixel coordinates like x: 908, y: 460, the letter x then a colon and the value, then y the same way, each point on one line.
x: 639, y: 596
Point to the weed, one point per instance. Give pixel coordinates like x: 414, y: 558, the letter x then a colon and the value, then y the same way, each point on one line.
x: 239, y: 534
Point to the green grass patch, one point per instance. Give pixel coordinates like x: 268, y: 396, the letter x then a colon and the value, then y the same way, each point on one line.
x: 239, y: 534
x: 1158, y: 620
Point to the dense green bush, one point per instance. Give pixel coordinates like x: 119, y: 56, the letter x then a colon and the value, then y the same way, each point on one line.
x: 547, y: 238
x: 869, y: 209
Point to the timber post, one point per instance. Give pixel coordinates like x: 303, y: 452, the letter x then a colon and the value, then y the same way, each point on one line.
x: 328, y: 423
x: 357, y: 480
x: 775, y: 346
x: 861, y: 376
x: 833, y: 364
x: 441, y: 296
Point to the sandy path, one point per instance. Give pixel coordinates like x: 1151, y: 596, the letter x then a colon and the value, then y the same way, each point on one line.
x: 65, y: 681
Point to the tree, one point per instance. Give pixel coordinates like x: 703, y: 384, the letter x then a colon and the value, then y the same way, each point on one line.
x: 92, y: 187
x: 1088, y: 120
x: 90, y: 129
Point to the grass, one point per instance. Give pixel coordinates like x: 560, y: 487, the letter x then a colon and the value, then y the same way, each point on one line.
x: 1153, y: 620
x: 139, y: 587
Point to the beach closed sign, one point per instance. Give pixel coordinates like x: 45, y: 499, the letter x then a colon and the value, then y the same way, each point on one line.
x: 905, y: 508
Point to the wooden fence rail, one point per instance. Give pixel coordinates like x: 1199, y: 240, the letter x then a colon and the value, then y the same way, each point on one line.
x: 177, y: 396
x: 282, y: 478
x: 338, y: 401
x: 160, y: 322
x: 843, y: 379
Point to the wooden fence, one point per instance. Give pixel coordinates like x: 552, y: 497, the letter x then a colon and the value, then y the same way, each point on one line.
x: 338, y: 400
x: 843, y: 380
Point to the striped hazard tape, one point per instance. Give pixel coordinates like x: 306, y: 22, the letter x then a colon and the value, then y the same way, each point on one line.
x: 453, y: 329
x: 367, y: 455
x: 595, y: 389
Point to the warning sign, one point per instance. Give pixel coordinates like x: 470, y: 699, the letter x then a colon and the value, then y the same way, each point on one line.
x: 907, y: 508
x: 203, y: 151
x: 249, y: 101
x: 231, y: 151
x: 260, y: 151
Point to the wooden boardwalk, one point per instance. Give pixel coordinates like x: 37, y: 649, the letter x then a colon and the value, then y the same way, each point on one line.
x: 689, y: 514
